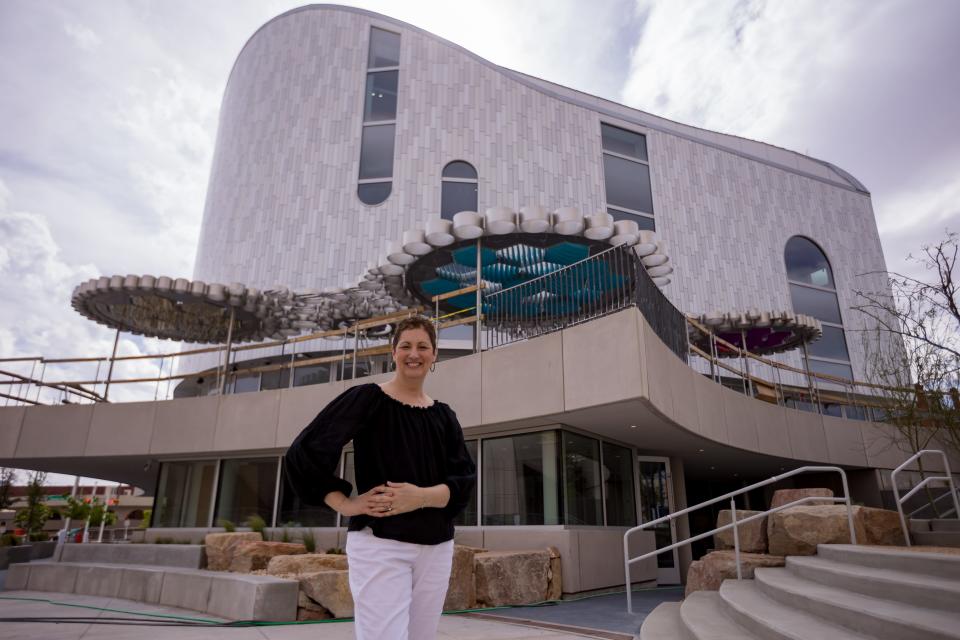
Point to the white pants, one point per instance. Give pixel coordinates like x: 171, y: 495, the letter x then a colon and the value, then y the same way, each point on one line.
x: 398, y: 587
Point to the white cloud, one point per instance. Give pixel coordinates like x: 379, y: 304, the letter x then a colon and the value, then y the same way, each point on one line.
x: 83, y: 36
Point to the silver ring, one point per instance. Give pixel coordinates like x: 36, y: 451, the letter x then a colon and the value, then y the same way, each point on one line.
x: 389, y: 508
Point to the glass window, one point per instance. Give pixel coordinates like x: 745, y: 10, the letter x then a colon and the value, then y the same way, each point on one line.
x: 374, y: 192
x: 581, y: 478
x: 520, y: 479
x: 832, y: 344
x: 814, y: 302
x: 854, y: 412
x: 460, y: 169
x: 468, y: 517
x: 275, y: 379
x: 293, y: 511
x: 618, y: 471
x: 623, y: 142
x: 644, y: 222
x: 627, y: 184
x: 184, y: 494
x: 376, y: 152
x: 655, y: 503
x: 246, y: 488
x: 380, y: 102
x: 246, y: 383
x: 830, y: 368
x: 807, y: 263
x: 456, y: 197
x: 314, y: 374
x: 384, y: 49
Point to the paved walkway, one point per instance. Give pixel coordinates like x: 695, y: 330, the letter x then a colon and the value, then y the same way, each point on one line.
x: 87, y: 624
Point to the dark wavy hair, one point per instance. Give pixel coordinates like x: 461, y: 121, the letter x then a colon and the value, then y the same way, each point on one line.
x: 416, y: 322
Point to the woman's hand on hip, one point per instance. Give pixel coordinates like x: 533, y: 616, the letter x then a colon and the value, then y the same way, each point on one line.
x: 377, y: 503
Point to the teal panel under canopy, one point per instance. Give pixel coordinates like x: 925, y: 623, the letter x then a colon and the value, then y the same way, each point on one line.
x: 464, y: 301
x: 521, y: 255
x: 459, y: 272
x: 468, y: 256
x: 566, y: 253
x: 439, y: 286
x: 500, y: 272
x: 540, y: 269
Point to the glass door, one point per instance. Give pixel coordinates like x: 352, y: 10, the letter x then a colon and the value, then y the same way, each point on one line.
x: 656, y: 501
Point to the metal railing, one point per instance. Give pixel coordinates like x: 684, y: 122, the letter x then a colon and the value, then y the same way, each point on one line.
x: 734, y: 523
x: 896, y: 490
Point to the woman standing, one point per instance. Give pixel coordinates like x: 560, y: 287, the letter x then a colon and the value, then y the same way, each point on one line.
x: 413, y: 474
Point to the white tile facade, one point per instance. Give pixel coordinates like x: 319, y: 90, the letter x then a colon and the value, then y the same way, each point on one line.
x: 282, y: 204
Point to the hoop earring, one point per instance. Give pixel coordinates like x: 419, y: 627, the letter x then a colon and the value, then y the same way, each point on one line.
x: 433, y: 367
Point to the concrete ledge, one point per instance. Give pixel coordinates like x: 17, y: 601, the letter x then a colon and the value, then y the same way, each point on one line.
x: 227, y: 595
x: 188, y: 556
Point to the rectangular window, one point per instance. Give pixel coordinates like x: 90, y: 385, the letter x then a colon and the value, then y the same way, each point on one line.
x: 380, y: 101
x: 831, y: 345
x: 626, y: 143
x: 627, y: 184
x: 246, y: 383
x: 314, y: 374
x: 456, y: 197
x: 521, y: 480
x: 184, y: 494
x: 581, y: 478
x: 376, y: 152
x: 822, y: 305
x: 246, y: 488
x: 644, y: 222
x: 275, y: 379
x: 655, y: 503
x: 830, y: 368
x: 468, y: 517
x: 384, y: 49
x: 618, y: 471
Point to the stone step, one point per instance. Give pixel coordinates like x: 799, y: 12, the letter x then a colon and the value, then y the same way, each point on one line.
x: 890, y: 584
x: 189, y: 556
x: 663, y: 623
x: 918, y: 526
x: 769, y: 619
x: 936, y: 538
x: 234, y: 596
x: 932, y: 564
x: 860, y: 613
x: 945, y: 524
x: 706, y: 617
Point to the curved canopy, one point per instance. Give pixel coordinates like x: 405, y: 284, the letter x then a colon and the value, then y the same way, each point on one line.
x: 760, y: 332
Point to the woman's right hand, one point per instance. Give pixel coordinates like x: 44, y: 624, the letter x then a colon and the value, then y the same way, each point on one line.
x: 377, y: 503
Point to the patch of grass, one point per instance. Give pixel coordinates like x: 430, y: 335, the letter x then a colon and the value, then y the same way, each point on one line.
x: 257, y: 524
x: 309, y: 541
x: 228, y: 526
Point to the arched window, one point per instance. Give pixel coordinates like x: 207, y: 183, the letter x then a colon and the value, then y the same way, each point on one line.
x: 814, y: 293
x: 458, y: 190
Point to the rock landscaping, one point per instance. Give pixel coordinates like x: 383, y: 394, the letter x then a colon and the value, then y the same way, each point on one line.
x: 220, y: 548
x: 251, y: 556
x: 709, y: 572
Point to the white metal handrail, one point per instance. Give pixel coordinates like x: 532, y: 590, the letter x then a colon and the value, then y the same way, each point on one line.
x: 927, y: 505
x: 896, y: 491
x: 734, y: 523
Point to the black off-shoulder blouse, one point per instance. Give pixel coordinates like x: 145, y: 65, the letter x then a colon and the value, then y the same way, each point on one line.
x: 394, y: 442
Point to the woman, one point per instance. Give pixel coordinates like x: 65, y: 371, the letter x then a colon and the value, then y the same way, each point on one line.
x: 414, y: 475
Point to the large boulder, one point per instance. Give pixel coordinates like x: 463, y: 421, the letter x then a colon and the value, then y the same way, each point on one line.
x: 220, y: 547
x: 798, y: 530
x: 707, y: 573
x: 786, y: 496
x: 879, y: 526
x: 251, y: 556
x: 462, y: 591
x: 752, y: 535
x: 307, y: 609
x: 512, y: 577
x: 331, y: 589
x: 305, y: 563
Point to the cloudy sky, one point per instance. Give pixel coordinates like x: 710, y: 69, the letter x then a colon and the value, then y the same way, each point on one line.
x: 108, y: 113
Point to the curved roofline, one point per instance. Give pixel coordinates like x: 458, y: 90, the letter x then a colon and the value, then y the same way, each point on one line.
x: 525, y: 80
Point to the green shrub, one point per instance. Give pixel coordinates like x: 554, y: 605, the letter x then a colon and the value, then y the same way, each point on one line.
x: 309, y: 541
x: 228, y: 526
x: 257, y: 524
x: 285, y: 537
x: 145, y: 522
x: 336, y: 551
x: 39, y: 536
x: 9, y: 540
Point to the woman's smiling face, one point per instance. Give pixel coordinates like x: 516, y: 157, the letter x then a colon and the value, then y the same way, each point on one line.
x: 414, y: 353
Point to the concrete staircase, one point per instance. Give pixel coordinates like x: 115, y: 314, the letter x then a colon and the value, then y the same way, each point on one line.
x: 845, y: 592
x: 935, y: 533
